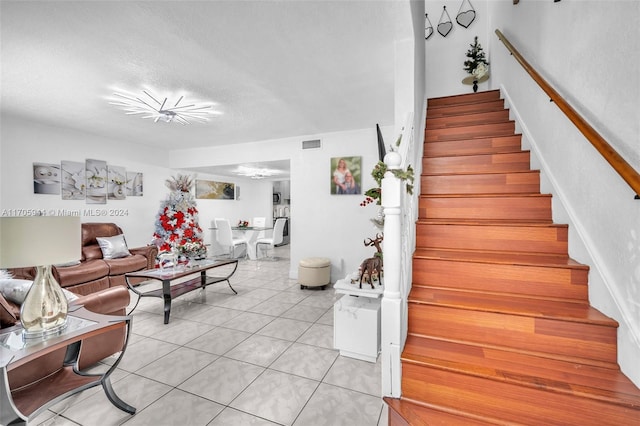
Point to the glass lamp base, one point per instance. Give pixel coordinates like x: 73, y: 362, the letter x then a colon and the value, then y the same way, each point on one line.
x: 44, y: 310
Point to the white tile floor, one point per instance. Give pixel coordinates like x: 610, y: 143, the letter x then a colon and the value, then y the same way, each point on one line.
x: 262, y: 357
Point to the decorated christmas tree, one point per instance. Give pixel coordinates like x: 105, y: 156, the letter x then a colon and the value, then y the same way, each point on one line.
x: 477, y: 62
x: 176, y: 227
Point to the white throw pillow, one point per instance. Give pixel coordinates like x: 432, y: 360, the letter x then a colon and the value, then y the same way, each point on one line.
x: 113, y: 247
x: 16, y: 290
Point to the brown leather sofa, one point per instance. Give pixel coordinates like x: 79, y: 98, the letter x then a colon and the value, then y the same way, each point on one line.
x: 94, y: 273
x: 111, y: 301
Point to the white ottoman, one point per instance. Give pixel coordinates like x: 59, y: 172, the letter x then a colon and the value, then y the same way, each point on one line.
x: 314, y: 272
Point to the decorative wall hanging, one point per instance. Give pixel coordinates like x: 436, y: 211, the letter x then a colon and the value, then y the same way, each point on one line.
x: 134, y: 184
x: 466, y: 15
x: 116, y: 185
x: 428, y: 27
x: 46, y: 178
x: 211, y: 190
x: 92, y: 180
x: 74, y: 181
x: 444, y: 25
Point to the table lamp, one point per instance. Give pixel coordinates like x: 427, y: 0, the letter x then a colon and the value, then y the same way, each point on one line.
x: 40, y: 241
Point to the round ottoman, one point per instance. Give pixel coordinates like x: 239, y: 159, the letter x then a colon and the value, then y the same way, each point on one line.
x: 314, y: 272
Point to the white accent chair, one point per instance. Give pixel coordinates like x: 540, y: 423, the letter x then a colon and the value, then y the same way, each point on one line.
x: 276, y: 238
x: 225, y: 238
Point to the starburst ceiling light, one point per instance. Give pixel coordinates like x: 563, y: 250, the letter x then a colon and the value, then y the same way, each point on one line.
x: 163, y: 108
x: 256, y: 173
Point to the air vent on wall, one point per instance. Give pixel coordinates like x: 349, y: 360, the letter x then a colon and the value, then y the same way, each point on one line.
x: 316, y: 143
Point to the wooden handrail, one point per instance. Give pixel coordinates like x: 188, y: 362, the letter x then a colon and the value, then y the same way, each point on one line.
x: 620, y: 165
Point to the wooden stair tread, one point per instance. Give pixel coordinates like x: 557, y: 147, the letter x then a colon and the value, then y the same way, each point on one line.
x: 463, y: 98
x: 510, y: 195
x: 490, y: 222
x: 471, y: 107
x: 473, y: 154
x: 417, y: 413
x: 505, y: 258
x: 508, y: 304
x: 467, y: 118
x: 500, y: 364
x: 475, y: 173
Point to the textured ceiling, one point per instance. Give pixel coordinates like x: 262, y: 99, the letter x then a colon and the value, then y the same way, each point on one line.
x: 273, y: 68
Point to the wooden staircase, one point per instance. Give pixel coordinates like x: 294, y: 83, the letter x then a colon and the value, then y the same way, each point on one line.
x: 500, y: 326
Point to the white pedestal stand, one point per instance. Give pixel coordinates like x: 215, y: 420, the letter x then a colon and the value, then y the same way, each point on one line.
x: 356, y: 320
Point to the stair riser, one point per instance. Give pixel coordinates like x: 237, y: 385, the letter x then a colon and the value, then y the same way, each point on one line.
x: 436, y: 112
x: 473, y: 146
x: 468, y: 132
x: 508, y: 403
x: 528, y: 239
x: 468, y: 119
x: 520, y: 280
x: 487, y: 163
x: 464, y: 99
x: 492, y: 183
x: 500, y: 208
x: 590, y: 343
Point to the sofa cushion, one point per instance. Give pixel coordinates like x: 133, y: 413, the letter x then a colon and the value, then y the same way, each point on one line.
x: 15, y: 290
x: 91, y: 252
x: 123, y: 265
x: 113, y: 247
x: 90, y: 287
x: 87, y: 271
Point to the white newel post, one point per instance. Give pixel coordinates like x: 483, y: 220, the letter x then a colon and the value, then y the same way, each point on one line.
x: 392, y: 300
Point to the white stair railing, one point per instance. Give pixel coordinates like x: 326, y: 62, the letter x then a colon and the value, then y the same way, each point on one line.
x: 400, y: 211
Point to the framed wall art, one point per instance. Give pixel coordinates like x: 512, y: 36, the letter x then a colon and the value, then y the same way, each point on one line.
x: 46, y: 178
x: 346, y: 175
x: 212, y: 190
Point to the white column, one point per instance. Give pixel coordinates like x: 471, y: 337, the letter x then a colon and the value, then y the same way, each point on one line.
x: 392, y: 301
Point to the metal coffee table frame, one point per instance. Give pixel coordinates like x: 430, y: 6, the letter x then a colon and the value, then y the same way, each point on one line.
x: 169, y: 292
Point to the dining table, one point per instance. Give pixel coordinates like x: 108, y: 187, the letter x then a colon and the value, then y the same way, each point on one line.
x: 251, y: 235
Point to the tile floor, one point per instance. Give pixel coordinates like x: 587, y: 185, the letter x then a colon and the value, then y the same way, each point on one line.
x: 262, y: 357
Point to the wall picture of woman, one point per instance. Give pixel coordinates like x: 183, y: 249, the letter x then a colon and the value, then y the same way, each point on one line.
x: 346, y: 175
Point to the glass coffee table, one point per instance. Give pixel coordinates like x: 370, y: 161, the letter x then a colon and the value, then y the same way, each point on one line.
x: 174, y: 282
x: 17, y: 406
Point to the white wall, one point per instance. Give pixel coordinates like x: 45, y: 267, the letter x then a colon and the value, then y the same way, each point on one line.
x: 25, y: 142
x: 588, y: 51
x: 445, y: 56
x: 326, y: 225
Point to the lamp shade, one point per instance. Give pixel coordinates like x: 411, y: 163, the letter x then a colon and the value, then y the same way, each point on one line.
x: 39, y: 240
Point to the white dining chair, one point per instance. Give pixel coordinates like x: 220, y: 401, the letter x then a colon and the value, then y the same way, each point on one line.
x: 275, y: 239
x: 225, y: 237
x: 259, y: 222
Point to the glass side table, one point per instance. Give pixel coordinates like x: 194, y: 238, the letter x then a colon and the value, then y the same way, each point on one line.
x: 17, y: 406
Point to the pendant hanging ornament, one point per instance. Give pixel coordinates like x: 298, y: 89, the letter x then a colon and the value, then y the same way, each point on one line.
x: 445, y: 25
x: 466, y: 15
x: 428, y: 27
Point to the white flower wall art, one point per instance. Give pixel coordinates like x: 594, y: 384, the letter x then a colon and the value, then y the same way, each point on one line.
x: 73, y: 180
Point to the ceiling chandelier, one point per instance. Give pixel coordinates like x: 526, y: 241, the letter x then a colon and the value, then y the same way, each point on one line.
x: 162, y: 108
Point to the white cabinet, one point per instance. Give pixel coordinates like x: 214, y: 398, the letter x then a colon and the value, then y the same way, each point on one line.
x: 356, y: 320
x: 356, y: 327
